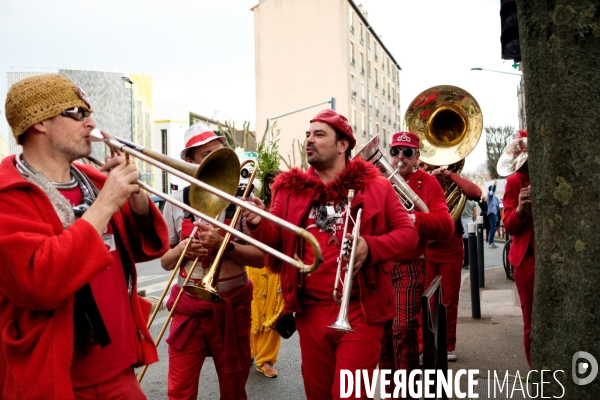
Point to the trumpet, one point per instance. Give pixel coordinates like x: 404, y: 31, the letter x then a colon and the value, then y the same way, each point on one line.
x: 342, y: 323
x: 409, y: 199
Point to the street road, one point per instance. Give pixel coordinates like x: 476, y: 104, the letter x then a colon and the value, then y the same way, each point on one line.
x: 288, y: 385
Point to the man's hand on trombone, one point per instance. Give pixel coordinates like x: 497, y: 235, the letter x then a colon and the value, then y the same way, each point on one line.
x: 209, y: 236
x: 253, y: 218
x: 121, y: 184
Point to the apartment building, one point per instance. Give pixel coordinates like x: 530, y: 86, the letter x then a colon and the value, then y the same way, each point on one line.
x: 307, y: 51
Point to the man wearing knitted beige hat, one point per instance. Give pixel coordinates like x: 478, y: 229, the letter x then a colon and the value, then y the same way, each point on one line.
x: 73, y: 325
x: 196, y: 332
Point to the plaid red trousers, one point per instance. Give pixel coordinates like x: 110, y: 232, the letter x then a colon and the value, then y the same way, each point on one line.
x: 400, y: 344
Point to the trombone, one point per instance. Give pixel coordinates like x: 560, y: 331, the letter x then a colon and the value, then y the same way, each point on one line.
x: 342, y: 323
x: 177, y: 168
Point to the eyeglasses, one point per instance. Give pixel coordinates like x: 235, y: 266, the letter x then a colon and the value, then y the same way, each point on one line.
x: 77, y: 113
x: 407, y: 152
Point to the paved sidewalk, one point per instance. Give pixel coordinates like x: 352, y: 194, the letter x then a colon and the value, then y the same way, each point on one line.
x: 493, y: 343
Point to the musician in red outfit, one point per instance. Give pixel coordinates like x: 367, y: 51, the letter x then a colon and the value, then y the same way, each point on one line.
x: 518, y: 222
x: 445, y: 258
x: 73, y: 325
x: 400, y: 346
x: 316, y: 200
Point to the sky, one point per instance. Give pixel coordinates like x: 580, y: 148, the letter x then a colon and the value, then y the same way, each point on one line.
x: 201, y: 52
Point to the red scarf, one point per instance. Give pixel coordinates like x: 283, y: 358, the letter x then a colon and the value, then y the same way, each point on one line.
x: 190, y: 308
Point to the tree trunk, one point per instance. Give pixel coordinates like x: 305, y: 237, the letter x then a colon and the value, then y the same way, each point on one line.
x: 560, y: 47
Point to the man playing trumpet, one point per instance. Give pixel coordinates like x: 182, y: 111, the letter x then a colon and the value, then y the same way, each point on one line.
x: 316, y: 199
x: 400, y: 346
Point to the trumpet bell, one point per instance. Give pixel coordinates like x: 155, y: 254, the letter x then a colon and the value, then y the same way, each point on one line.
x: 220, y: 169
x: 448, y: 120
x: 341, y: 324
x: 209, y: 294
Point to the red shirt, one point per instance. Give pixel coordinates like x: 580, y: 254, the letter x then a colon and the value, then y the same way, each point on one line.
x: 93, y: 364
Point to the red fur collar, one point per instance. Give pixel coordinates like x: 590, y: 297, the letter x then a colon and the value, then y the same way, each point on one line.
x: 357, y: 175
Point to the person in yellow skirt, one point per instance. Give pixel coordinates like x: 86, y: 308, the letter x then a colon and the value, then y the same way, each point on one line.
x: 267, y: 308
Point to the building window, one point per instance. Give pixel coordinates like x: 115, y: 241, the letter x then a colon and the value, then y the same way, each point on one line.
x: 370, y: 127
x: 375, y: 48
x: 364, y: 132
x: 376, y: 128
x: 368, y: 40
x: 370, y: 104
x: 354, y: 119
x: 362, y: 63
x: 376, y: 79
x: 352, y: 86
x: 351, y: 53
x: 383, y: 110
x: 362, y: 93
x: 362, y: 39
x: 388, y: 90
x: 377, y: 104
x: 369, y: 68
x: 351, y: 20
x: 393, y: 96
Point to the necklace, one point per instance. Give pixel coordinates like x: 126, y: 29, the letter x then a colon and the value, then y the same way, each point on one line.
x: 71, y: 184
x: 77, y: 178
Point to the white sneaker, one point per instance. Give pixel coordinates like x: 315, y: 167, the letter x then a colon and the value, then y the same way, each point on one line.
x: 452, y: 356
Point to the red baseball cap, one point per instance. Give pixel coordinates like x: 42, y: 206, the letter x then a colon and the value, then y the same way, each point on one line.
x: 405, y: 139
x: 198, y: 135
x: 338, y: 122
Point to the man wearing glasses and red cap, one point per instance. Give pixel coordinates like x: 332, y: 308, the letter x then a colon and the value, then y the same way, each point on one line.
x: 317, y: 200
x: 72, y: 323
x: 195, y: 331
x: 400, y: 347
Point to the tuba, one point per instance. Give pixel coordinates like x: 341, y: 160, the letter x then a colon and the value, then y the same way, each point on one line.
x: 409, y: 199
x: 449, y: 122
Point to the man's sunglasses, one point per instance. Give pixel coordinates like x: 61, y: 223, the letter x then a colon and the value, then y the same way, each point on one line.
x: 77, y: 113
x: 407, y: 152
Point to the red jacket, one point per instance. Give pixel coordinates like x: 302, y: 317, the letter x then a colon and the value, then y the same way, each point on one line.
x: 435, y: 225
x: 42, y: 266
x: 521, y: 230
x: 385, y: 226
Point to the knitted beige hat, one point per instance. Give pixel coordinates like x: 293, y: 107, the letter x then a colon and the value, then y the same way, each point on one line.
x: 39, y: 98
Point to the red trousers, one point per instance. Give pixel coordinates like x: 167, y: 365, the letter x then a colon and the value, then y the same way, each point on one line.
x: 445, y: 258
x: 185, y: 364
x: 327, y: 351
x: 123, y: 386
x: 524, y: 278
x: 400, y: 344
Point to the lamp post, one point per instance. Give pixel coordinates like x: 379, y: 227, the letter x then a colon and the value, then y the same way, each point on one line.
x: 126, y: 79
x: 520, y: 92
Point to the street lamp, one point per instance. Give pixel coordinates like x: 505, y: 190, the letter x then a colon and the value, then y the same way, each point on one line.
x: 491, y: 70
x: 126, y: 79
x: 520, y: 92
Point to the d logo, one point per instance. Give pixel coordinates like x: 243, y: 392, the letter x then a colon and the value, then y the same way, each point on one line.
x: 582, y: 367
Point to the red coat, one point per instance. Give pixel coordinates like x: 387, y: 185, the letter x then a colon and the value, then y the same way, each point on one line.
x: 435, y: 225
x: 42, y: 266
x: 385, y: 226
x: 521, y: 230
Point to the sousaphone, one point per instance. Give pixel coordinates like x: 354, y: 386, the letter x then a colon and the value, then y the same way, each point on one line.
x: 449, y: 122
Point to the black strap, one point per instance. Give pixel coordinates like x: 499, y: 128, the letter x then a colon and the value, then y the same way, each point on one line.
x: 186, y: 201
